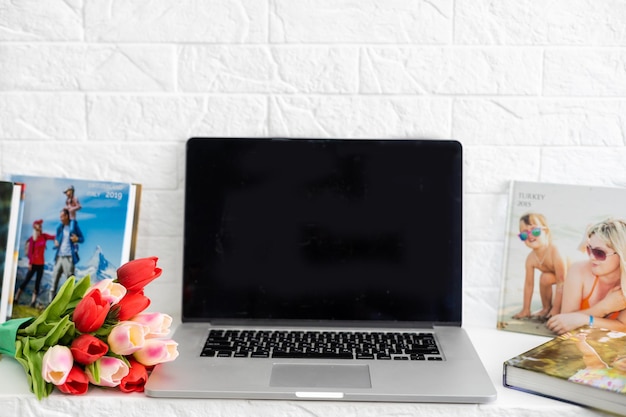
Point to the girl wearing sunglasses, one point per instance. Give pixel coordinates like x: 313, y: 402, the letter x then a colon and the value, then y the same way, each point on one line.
x: 544, y: 257
x: 593, y: 293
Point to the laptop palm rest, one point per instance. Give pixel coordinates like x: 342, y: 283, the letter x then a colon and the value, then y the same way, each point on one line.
x: 319, y: 375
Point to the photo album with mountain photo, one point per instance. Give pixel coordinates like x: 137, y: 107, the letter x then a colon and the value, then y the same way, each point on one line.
x: 70, y: 227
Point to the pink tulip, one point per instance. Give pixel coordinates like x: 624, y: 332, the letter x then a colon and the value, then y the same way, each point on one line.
x: 136, y: 274
x: 56, y: 364
x: 110, y: 291
x: 158, y: 323
x: 127, y: 337
x: 112, y: 370
x: 157, y: 351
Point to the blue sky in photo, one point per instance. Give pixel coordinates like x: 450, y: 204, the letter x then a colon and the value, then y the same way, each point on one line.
x: 102, y: 218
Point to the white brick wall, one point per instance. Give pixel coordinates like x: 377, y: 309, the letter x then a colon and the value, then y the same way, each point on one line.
x: 103, y: 89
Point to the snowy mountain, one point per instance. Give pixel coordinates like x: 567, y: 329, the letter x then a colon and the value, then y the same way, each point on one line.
x: 98, y: 267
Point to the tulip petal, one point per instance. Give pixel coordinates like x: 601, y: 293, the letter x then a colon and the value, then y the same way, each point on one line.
x: 90, y: 312
x: 157, y: 351
x: 76, y: 383
x: 158, y: 323
x: 112, y: 370
x: 136, y: 274
x: 132, y: 304
x: 87, y: 349
x: 56, y: 364
x: 136, y: 378
x: 110, y: 291
x: 127, y: 337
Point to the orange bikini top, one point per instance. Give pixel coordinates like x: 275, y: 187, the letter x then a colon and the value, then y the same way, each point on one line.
x: 584, y: 303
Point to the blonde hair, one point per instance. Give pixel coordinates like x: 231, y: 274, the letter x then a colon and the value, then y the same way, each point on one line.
x: 613, y: 233
x: 537, y: 218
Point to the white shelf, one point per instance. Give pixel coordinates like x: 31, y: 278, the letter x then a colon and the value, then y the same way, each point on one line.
x: 493, y: 346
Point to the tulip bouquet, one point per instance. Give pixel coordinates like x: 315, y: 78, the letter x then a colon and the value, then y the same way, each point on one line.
x: 93, y: 334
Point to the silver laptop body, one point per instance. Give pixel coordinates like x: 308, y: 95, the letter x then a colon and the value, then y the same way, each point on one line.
x: 334, y: 245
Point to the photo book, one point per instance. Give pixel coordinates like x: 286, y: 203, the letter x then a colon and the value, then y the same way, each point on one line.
x: 10, y: 211
x: 545, y: 235
x: 586, y: 366
x: 70, y: 227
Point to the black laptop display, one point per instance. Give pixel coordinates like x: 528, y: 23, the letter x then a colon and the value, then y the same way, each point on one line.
x: 340, y: 230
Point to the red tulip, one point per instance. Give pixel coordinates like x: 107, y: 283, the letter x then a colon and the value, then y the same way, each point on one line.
x: 87, y: 349
x: 136, y: 378
x: 136, y: 274
x: 91, y: 312
x: 76, y: 382
x: 132, y: 304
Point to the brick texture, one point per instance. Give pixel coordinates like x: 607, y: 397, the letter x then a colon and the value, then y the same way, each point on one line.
x: 534, y: 90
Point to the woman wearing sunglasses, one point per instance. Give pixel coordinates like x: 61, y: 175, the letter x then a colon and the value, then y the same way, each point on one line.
x: 544, y: 257
x: 593, y: 293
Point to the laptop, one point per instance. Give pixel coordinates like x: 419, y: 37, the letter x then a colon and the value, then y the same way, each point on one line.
x: 323, y: 269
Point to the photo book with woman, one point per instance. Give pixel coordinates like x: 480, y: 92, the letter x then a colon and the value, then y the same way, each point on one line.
x: 564, y: 259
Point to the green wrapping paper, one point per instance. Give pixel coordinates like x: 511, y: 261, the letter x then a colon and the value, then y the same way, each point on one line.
x: 8, y: 335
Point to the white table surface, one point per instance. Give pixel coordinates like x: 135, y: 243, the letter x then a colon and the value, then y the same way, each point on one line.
x: 493, y: 346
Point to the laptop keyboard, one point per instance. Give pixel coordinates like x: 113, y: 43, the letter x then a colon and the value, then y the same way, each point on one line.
x: 321, y: 345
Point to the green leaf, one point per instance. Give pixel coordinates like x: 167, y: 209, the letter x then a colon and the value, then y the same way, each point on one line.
x: 94, y: 369
x: 52, y: 337
x: 54, y: 310
x: 81, y: 289
x: 62, y: 305
x: 31, y: 361
x: 57, y: 306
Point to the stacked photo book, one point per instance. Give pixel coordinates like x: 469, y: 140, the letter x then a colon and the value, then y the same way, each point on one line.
x: 564, y: 276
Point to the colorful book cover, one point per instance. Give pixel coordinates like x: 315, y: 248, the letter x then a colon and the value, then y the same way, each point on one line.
x: 71, y: 227
x: 586, y: 366
x: 546, y: 238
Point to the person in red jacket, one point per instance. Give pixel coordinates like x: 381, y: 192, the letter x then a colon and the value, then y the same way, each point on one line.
x: 35, y: 249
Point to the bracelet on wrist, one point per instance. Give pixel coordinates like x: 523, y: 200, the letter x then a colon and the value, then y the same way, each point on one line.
x: 590, y: 321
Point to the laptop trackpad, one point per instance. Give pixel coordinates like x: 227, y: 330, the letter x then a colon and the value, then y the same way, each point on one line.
x: 315, y: 375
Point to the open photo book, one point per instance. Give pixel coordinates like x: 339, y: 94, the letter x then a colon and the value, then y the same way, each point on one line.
x: 550, y: 238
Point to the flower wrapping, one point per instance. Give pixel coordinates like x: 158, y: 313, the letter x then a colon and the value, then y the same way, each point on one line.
x: 93, y: 334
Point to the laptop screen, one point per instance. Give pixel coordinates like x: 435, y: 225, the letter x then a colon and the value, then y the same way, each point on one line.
x: 323, y: 230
